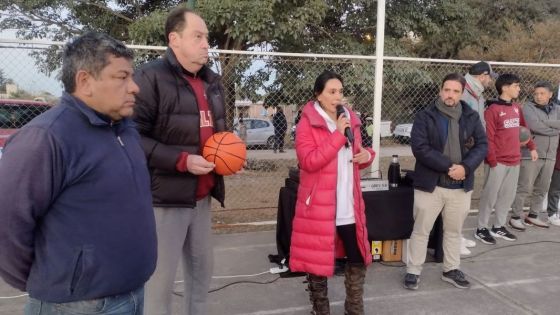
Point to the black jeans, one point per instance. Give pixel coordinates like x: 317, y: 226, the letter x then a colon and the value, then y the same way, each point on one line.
x: 347, y: 234
x: 279, y: 141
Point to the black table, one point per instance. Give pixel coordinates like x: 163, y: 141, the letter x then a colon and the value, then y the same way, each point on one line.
x: 389, y: 216
x: 389, y: 213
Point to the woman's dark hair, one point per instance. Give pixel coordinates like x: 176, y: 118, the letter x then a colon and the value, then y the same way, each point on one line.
x: 506, y: 79
x: 322, y: 79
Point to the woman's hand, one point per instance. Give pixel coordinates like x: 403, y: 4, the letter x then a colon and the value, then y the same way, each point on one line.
x: 361, y: 157
x: 342, y: 123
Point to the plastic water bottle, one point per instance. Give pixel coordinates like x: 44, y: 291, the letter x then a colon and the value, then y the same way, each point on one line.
x: 394, y: 174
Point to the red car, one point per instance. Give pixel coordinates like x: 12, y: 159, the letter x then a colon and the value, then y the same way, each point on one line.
x: 14, y: 114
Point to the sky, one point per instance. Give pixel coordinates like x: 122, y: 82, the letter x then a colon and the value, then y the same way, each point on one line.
x: 20, y: 67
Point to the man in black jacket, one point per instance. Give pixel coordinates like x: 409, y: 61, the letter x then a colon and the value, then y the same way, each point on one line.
x: 180, y: 105
x: 448, y: 142
x: 280, y: 125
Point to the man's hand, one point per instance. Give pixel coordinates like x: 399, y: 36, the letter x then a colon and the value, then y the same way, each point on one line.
x: 361, y: 157
x: 457, y: 172
x: 534, y: 155
x: 242, y: 170
x: 197, y: 165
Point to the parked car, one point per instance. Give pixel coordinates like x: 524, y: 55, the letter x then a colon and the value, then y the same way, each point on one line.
x: 385, y: 129
x: 260, y: 132
x: 402, y: 133
x: 14, y: 114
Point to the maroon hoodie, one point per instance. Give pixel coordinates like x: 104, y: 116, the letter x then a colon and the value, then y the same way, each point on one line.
x: 502, y: 129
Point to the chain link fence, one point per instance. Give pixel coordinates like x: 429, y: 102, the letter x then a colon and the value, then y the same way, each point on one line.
x: 259, y: 86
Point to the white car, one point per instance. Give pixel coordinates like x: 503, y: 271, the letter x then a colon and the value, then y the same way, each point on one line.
x: 260, y: 132
x: 385, y: 130
x: 402, y: 133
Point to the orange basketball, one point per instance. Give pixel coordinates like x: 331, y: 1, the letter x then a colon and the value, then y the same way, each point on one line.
x: 524, y: 135
x: 227, y: 151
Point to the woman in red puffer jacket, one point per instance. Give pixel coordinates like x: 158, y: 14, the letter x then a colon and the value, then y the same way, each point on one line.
x: 330, y: 213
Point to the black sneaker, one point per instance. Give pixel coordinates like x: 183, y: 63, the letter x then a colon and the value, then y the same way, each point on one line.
x: 484, y: 236
x: 456, y: 278
x: 411, y: 281
x: 503, y: 233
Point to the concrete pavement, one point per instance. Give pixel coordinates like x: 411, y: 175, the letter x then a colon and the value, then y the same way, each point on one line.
x: 509, y: 278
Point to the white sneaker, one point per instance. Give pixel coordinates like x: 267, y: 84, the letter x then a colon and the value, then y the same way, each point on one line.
x: 554, y: 219
x: 517, y: 224
x: 535, y: 222
x: 465, y: 251
x: 465, y: 242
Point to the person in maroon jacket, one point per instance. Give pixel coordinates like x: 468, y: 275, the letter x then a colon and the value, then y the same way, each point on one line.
x: 503, y: 118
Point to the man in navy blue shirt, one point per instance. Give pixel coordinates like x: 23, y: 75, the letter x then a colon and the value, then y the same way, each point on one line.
x: 77, y: 230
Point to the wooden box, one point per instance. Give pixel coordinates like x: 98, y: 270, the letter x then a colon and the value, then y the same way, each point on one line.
x: 392, y: 250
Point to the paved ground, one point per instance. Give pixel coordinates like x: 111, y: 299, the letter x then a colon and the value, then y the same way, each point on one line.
x: 509, y: 278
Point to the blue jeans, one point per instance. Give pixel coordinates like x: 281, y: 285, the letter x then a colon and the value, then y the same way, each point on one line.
x: 131, y: 303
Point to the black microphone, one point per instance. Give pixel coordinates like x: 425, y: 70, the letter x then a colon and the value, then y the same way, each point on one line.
x: 347, y: 132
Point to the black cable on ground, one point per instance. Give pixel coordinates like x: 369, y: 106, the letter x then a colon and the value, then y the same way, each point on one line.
x: 391, y: 264
x: 396, y: 264
x: 233, y: 283
x: 470, y: 257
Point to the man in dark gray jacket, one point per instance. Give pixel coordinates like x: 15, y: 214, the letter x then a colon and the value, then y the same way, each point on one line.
x: 543, y: 119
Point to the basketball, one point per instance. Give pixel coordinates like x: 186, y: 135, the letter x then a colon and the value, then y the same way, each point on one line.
x: 227, y: 151
x: 524, y: 135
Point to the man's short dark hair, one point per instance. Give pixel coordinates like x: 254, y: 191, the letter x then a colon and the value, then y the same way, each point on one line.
x: 482, y: 67
x: 544, y: 84
x: 176, y: 20
x: 455, y: 77
x: 89, y: 52
x: 506, y: 79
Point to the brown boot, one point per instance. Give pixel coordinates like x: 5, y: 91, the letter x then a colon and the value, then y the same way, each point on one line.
x: 355, y: 275
x: 318, y: 294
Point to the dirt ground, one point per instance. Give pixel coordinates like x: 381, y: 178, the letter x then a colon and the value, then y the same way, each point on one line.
x: 253, y: 196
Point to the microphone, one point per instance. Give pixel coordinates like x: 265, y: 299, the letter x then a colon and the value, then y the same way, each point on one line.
x: 347, y: 132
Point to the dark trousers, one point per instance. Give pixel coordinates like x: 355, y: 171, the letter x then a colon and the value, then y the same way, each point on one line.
x: 554, y: 193
x: 347, y: 234
x: 279, y: 141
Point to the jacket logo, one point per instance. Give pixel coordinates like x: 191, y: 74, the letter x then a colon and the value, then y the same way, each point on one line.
x: 206, y: 119
x: 516, y: 110
x: 511, y: 123
x: 502, y: 114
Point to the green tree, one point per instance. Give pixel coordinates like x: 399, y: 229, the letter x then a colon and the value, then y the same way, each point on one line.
x: 426, y: 28
x: 237, y: 25
x: 3, y: 81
